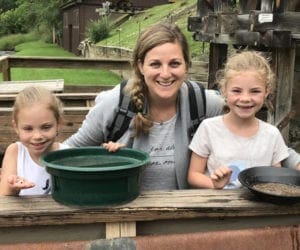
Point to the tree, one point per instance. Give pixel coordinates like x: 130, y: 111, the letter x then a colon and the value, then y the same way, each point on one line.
x: 6, y: 5
x: 42, y: 16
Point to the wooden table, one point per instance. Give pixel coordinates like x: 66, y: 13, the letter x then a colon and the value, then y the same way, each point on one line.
x: 40, y: 218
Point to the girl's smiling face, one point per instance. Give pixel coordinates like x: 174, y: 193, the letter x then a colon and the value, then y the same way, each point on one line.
x: 37, y: 128
x: 164, y: 70
x: 245, y: 93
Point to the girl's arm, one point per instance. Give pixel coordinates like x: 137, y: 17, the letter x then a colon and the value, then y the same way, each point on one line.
x: 10, y: 183
x: 197, y: 178
x: 9, y: 168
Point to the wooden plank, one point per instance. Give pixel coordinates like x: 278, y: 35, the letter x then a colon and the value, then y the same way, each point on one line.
x: 217, y: 58
x: 68, y: 99
x: 283, y: 62
x: 288, y: 21
x: 5, y: 110
x: 120, y: 229
x: 69, y: 63
x: 9, y: 87
x: 71, y: 96
x: 148, y: 206
x: 5, y: 68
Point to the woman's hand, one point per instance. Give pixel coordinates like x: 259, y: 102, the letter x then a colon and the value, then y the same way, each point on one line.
x: 17, y: 183
x: 113, y: 146
x: 221, y: 177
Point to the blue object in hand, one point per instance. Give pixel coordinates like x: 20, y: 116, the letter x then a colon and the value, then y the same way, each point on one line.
x: 236, y: 167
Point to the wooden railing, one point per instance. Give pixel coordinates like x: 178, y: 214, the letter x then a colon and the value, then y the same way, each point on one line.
x: 198, y: 69
x: 155, y: 212
x: 8, y: 62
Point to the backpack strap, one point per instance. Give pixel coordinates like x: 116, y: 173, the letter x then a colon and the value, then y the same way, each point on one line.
x: 126, y: 112
x: 197, y: 106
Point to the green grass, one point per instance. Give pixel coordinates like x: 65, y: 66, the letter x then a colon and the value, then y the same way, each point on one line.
x: 124, y: 36
x: 39, y: 48
x: 127, y: 33
x: 10, y: 41
x: 70, y: 76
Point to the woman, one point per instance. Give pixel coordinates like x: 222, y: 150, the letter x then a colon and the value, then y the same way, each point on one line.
x: 160, y: 63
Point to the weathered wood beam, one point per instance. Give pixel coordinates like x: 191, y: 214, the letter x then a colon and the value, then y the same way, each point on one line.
x: 70, y: 63
x: 288, y: 21
x: 5, y: 69
x: 148, y: 206
x: 256, y: 29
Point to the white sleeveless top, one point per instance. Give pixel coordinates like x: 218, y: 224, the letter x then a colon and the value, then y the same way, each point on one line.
x: 31, y: 171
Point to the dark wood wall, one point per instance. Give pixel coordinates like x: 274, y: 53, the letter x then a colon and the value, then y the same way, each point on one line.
x: 77, y: 14
x: 75, y: 19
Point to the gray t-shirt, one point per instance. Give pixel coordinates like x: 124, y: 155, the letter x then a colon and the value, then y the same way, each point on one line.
x: 159, y: 174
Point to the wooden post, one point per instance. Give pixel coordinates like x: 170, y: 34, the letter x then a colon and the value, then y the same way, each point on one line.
x: 283, y: 62
x: 217, y: 52
x: 5, y: 68
x: 217, y: 57
x: 120, y: 229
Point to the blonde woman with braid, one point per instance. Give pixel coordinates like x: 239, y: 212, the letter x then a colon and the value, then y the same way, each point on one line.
x: 160, y: 94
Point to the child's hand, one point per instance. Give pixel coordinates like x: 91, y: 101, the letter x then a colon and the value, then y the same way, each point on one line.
x: 18, y: 183
x: 221, y: 177
x: 113, y: 146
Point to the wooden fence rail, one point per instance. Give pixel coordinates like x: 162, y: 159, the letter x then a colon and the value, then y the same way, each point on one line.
x: 8, y: 62
x: 152, y: 213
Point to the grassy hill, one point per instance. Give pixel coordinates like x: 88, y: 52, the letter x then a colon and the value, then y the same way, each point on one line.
x: 126, y: 34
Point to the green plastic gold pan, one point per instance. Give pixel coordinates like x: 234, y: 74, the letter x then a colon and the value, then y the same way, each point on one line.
x: 91, y: 176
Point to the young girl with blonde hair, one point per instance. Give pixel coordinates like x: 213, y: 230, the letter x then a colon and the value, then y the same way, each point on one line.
x: 37, y: 119
x: 227, y: 144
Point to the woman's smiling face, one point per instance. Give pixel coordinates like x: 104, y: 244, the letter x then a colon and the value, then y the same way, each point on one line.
x: 164, y: 70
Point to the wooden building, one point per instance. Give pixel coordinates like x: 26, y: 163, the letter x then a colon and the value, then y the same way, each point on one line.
x: 77, y: 14
x: 264, y: 25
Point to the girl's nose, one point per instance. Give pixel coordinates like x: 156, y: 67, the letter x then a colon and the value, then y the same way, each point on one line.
x: 245, y: 96
x: 37, y: 134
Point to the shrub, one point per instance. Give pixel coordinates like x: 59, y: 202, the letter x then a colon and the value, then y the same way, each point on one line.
x: 9, y: 42
x: 98, y: 30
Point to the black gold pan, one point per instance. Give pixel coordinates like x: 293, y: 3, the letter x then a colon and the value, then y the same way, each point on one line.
x: 272, y: 184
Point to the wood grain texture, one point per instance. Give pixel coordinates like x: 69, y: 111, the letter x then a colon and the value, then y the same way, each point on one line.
x: 160, y: 205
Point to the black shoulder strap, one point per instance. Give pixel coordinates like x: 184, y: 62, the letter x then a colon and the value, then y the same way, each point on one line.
x: 126, y: 112
x: 197, y: 106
